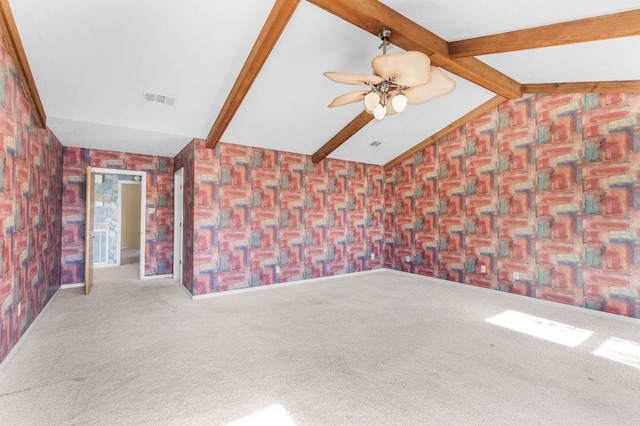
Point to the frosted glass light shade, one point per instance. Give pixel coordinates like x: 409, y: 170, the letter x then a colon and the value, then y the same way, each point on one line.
x: 371, y: 101
x: 379, y: 112
x: 399, y: 102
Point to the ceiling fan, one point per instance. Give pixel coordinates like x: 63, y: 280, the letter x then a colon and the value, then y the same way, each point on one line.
x: 398, y: 80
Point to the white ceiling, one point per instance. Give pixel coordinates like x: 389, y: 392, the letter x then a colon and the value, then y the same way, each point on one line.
x: 93, y: 60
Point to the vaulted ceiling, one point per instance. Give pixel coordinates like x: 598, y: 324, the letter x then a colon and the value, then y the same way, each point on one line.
x: 250, y: 72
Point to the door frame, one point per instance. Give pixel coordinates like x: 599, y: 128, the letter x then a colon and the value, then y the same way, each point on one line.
x: 143, y: 205
x: 88, y: 231
x: 178, y: 224
x: 119, y: 231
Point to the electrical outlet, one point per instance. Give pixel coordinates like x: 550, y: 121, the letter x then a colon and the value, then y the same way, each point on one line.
x: 19, y: 309
x: 373, y: 256
x: 483, y: 269
x: 277, y: 269
x: 516, y: 275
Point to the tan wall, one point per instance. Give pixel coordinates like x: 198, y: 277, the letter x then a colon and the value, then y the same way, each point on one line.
x: 130, y: 218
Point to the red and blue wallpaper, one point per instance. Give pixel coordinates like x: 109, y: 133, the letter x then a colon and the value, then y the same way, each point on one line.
x: 540, y: 197
x: 30, y: 210
x: 159, y: 193
x: 262, y: 217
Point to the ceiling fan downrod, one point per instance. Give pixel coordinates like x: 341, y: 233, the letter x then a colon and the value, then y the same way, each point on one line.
x: 384, y: 35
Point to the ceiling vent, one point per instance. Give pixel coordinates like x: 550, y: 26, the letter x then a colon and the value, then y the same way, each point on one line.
x: 159, y: 99
x: 376, y: 144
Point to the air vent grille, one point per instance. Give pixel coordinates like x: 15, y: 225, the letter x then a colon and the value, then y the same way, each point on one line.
x: 375, y: 144
x: 159, y: 99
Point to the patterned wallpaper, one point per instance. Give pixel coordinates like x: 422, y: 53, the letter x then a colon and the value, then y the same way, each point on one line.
x: 159, y: 225
x: 30, y: 210
x: 540, y: 197
x: 186, y: 160
x: 263, y: 217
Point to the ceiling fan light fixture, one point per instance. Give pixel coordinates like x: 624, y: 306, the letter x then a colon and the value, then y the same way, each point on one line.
x: 397, y: 80
x: 371, y: 100
x: 379, y: 111
x: 399, y: 102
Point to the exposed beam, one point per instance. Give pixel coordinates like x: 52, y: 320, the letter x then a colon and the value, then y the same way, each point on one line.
x: 482, y: 109
x: 629, y: 86
x: 276, y: 22
x: 16, y: 51
x: 372, y: 16
x: 597, y: 28
x: 341, y: 137
x: 481, y: 74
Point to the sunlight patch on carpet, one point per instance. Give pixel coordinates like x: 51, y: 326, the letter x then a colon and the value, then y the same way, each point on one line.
x: 623, y: 351
x: 272, y: 415
x: 541, y: 328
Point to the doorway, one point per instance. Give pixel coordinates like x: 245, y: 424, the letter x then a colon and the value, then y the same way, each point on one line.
x: 178, y: 228
x: 129, y: 206
x: 112, y: 225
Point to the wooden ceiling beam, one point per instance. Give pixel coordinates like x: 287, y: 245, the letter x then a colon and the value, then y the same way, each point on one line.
x: 373, y: 15
x: 629, y: 86
x: 477, y: 112
x: 590, y: 29
x: 275, y: 24
x: 342, y: 136
x: 19, y: 58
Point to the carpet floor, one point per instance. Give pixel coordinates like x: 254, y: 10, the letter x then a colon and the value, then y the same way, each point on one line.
x: 375, y: 349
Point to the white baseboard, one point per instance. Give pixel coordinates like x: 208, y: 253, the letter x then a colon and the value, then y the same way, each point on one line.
x: 74, y: 285
x: 521, y: 297
x: 186, y: 290
x: 157, y: 277
x: 5, y: 362
x: 278, y: 285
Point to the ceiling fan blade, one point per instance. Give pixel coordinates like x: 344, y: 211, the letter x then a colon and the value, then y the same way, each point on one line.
x: 348, y: 98
x: 409, y: 68
x: 348, y: 78
x: 439, y: 85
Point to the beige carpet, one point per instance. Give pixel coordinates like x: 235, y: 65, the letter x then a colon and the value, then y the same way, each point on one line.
x: 374, y: 349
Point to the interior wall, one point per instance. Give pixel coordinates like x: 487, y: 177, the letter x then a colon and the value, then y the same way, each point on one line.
x: 262, y: 216
x: 159, y: 214
x: 130, y: 216
x: 543, y: 192
x: 30, y: 210
x: 186, y: 160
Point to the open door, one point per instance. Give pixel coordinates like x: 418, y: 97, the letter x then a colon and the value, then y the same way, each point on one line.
x: 88, y: 233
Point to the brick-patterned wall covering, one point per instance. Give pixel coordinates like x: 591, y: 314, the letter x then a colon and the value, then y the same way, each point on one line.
x: 543, y: 192
x: 159, y: 193
x: 258, y: 209
x: 186, y: 160
x: 30, y: 210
